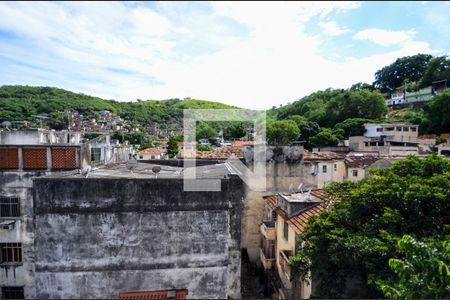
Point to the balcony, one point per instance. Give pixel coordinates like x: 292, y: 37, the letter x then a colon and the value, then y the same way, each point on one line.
x: 285, y: 256
x: 267, y: 229
x: 266, y: 261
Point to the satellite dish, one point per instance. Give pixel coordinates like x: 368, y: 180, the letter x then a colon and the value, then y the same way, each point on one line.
x: 6, y: 124
x: 86, y: 170
x: 131, y: 165
x: 290, y: 189
x: 156, y: 170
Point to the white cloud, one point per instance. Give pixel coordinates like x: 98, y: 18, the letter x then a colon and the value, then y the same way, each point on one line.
x: 385, y: 37
x: 332, y: 29
x: 245, y: 54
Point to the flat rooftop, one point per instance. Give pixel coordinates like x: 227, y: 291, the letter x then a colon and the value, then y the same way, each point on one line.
x: 144, y: 171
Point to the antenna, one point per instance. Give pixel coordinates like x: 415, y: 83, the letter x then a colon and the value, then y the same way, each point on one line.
x: 290, y: 188
x: 300, y: 187
x: 86, y: 170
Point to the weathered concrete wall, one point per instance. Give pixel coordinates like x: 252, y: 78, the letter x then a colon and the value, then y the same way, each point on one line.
x: 19, y: 184
x: 96, y: 237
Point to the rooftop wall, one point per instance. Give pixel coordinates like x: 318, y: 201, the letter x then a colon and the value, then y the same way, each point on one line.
x: 96, y: 237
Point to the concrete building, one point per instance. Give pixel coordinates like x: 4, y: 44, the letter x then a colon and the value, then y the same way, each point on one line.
x: 23, y: 156
x: 357, y: 166
x: 286, y: 216
x: 387, y: 139
x: 444, y: 149
x: 150, y: 153
x: 120, y: 231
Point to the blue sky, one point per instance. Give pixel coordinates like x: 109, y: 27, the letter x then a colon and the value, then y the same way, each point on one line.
x: 252, y: 55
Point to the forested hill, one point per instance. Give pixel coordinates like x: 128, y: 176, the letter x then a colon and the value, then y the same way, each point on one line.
x: 23, y: 103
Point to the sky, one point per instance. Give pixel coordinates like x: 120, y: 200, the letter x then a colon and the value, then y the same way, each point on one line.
x: 247, y: 54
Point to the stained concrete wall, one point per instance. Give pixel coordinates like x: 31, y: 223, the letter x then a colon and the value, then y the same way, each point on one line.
x: 96, y: 237
x: 19, y: 184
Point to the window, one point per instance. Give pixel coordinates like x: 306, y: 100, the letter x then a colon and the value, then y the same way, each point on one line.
x: 12, y: 292
x: 380, y: 143
x: 380, y: 129
x: 141, y: 157
x: 413, y: 129
x: 96, y: 154
x: 389, y: 128
x: 9, y: 207
x: 324, y: 169
x: 11, y: 252
x: 405, y: 128
x: 399, y: 128
x: 355, y: 173
x: 335, y: 167
x: 285, y: 231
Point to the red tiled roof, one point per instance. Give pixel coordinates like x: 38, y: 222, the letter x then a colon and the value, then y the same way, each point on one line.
x: 220, y: 153
x: 150, y: 151
x: 272, y: 201
x: 241, y: 144
x: 164, y: 294
x: 299, y: 221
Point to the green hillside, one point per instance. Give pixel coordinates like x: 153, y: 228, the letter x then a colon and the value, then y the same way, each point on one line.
x: 23, y: 103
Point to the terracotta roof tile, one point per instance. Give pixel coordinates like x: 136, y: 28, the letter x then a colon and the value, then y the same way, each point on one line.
x: 241, y: 144
x: 163, y: 294
x: 299, y: 221
x: 150, y: 151
x: 220, y: 153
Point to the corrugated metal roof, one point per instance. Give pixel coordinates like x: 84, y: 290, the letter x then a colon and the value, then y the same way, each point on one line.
x: 163, y: 294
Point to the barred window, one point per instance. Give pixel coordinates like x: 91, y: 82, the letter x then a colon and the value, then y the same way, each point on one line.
x: 9, y: 207
x: 12, y: 292
x: 11, y: 252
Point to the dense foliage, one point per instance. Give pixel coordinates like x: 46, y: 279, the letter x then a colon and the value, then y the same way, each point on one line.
x: 330, y: 107
x: 410, y: 68
x: 282, y: 132
x: 438, y: 113
x: 354, y: 241
x: 423, y: 272
x: 23, y: 103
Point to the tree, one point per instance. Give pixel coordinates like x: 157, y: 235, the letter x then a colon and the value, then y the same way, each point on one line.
x: 355, y: 104
x: 326, y: 137
x: 362, y: 86
x: 172, y: 145
x: 438, y: 113
x: 437, y: 69
x: 353, y: 126
x: 355, y: 239
x: 423, y: 271
x: 204, y: 148
x: 235, y: 131
x: 204, y: 131
x: 282, y: 132
x: 409, y: 67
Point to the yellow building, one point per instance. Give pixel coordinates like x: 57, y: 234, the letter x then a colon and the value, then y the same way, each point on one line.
x: 285, y: 218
